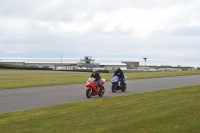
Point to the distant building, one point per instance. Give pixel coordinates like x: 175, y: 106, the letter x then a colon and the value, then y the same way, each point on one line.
x: 14, y: 63
x: 131, y: 64
x: 87, y: 62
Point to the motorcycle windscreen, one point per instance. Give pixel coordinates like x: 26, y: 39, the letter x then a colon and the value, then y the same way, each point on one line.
x: 115, y: 79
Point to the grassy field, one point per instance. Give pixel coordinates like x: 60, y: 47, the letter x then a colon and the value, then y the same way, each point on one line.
x: 166, y: 111
x: 27, y: 78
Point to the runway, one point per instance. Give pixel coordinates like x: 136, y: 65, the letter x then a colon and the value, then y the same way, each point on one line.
x: 12, y: 100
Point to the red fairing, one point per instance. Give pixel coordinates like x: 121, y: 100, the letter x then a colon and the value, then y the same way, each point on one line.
x: 90, y: 84
x: 93, y: 86
x: 102, y: 82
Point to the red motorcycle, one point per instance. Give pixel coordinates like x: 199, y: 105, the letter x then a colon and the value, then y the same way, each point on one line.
x: 93, y: 89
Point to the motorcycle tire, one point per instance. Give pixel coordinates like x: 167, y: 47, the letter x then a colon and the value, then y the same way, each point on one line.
x: 113, y: 89
x: 124, y: 87
x: 88, y: 93
x: 101, y: 91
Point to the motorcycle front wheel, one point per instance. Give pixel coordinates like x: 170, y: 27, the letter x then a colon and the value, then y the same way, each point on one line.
x: 88, y: 93
x: 113, y: 88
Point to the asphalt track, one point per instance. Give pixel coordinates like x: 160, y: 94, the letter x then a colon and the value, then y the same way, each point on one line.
x: 12, y: 100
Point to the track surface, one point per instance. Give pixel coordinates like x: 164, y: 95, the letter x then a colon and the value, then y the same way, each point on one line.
x: 12, y: 100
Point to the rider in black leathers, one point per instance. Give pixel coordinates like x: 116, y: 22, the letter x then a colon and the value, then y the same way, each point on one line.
x: 120, y: 74
x: 97, y: 76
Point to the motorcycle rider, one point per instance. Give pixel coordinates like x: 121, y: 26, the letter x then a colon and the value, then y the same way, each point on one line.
x: 120, y: 74
x: 97, y: 76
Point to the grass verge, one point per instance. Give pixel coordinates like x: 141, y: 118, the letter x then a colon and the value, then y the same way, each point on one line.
x: 23, y: 78
x: 166, y: 111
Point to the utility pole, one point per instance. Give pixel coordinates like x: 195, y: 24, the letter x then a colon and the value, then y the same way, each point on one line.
x: 145, y: 58
x: 61, y: 59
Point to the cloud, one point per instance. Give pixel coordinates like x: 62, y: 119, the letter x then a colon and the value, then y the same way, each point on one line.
x: 186, y: 31
x: 110, y: 28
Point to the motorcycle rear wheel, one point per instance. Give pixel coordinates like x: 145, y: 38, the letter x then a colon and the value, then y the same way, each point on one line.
x: 101, y: 91
x: 124, y: 87
x: 88, y: 93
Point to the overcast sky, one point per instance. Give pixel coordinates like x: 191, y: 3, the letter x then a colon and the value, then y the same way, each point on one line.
x: 100, y: 28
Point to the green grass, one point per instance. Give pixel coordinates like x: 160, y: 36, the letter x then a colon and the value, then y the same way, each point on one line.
x: 24, y: 78
x: 166, y: 111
